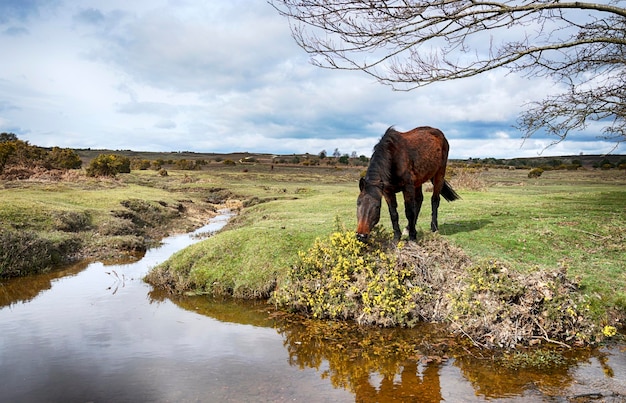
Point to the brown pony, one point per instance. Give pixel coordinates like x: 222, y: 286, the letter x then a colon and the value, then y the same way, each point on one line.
x: 402, y: 162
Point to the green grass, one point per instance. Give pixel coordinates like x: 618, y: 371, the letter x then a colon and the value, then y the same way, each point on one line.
x: 254, y: 252
x: 58, y: 222
x: 554, y: 222
x: 574, y: 219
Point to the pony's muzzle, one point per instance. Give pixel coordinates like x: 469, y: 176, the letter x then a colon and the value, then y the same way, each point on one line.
x: 362, y: 237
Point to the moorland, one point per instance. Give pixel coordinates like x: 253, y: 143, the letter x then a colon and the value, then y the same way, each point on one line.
x: 569, y: 217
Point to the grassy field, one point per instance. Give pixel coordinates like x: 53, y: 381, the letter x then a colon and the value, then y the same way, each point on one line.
x: 564, y: 218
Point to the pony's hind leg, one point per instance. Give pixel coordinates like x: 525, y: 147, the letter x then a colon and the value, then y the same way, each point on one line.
x: 434, y: 201
x: 434, y: 225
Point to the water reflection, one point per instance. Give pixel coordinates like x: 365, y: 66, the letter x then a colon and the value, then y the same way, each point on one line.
x: 24, y: 289
x: 422, y: 364
x: 373, y: 363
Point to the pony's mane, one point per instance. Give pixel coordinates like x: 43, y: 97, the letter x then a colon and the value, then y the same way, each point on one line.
x: 379, y: 169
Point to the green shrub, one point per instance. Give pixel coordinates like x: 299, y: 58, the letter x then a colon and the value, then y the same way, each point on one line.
x: 64, y: 158
x: 19, y: 152
x: 535, y: 172
x: 108, y: 165
x: 140, y: 164
x: 343, y: 278
x: 187, y: 165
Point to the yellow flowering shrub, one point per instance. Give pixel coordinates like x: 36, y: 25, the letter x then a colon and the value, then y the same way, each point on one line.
x: 385, y: 284
x: 344, y: 278
x: 505, y: 309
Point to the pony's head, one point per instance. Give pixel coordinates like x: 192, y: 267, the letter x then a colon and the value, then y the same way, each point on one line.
x: 367, y: 208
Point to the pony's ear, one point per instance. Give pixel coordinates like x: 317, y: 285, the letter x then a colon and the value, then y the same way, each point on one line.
x: 361, y: 184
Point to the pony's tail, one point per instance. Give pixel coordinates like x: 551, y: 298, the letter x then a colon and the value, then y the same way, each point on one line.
x: 448, y: 193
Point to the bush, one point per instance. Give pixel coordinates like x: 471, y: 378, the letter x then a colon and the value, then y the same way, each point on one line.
x: 535, y: 172
x: 108, y: 165
x: 64, y: 158
x: 140, y: 164
x: 20, y: 153
x: 343, y: 278
x: 17, y: 154
x: 431, y: 280
x: 186, y: 165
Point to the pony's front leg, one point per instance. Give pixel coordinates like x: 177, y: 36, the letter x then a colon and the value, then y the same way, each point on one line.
x: 392, y: 203
x: 412, y: 206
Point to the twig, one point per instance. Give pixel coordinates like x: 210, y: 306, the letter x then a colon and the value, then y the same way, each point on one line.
x: 477, y: 344
x: 546, y: 338
x: 591, y: 233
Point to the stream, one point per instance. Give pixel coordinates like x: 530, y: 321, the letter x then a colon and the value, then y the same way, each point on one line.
x: 98, y: 333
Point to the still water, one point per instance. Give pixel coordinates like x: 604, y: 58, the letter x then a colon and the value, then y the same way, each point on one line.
x: 98, y: 333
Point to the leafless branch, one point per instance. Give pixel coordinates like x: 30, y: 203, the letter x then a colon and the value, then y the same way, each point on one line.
x: 409, y: 44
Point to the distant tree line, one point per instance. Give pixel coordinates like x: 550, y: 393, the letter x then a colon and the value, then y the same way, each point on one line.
x: 546, y: 164
x: 15, y: 153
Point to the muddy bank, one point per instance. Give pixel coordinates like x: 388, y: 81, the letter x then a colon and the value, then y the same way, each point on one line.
x: 127, y: 232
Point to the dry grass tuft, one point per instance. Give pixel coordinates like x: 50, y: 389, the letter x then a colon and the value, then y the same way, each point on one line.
x: 468, y: 179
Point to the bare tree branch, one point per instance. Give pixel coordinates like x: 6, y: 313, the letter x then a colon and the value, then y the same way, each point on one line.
x: 408, y: 44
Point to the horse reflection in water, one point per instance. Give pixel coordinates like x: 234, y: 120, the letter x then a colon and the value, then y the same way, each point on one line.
x: 416, y: 383
x: 402, y: 162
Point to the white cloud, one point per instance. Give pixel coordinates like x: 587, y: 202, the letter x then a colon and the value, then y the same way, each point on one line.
x: 227, y: 76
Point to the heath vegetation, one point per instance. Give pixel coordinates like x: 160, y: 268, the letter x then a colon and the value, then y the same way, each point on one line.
x: 518, y: 261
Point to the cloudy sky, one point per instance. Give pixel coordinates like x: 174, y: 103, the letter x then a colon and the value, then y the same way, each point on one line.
x: 226, y: 76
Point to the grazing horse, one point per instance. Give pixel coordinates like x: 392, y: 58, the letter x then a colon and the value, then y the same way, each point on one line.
x: 402, y: 162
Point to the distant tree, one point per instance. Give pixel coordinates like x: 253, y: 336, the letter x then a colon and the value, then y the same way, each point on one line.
x: 344, y: 159
x: 336, y: 153
x: 322, y: 154
x: 353, y: 155
x: 20, y: 153
x: 605, y: 164
x: 6, y: 137
x: 410, y: 44
x: 7, y: 149
x: 555, y: 162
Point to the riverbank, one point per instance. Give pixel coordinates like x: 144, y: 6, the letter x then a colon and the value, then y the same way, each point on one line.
x: 45, y: 224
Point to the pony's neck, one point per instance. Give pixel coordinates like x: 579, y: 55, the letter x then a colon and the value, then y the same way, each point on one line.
x: 379, y: 170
